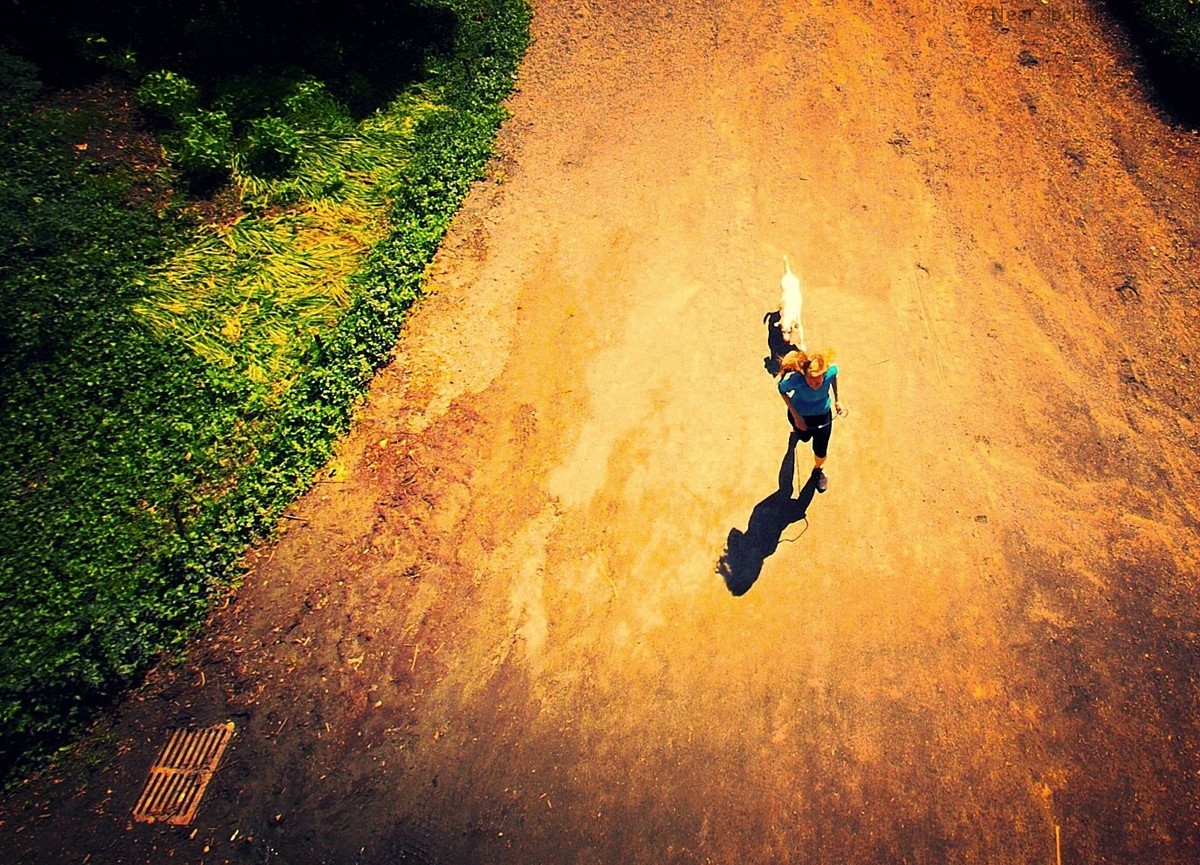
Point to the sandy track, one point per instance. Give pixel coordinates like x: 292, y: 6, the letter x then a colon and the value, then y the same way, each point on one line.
x: 502, y: 630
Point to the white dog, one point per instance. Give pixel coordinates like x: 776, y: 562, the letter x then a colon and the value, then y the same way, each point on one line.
x: 791, y: 302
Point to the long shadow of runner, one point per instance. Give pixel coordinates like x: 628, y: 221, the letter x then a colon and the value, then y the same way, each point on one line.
x: 742, y: 560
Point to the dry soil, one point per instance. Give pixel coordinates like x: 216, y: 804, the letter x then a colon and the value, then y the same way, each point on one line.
x: 566, y: 596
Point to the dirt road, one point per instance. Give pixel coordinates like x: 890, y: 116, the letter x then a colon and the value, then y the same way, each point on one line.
x: 555, y: 602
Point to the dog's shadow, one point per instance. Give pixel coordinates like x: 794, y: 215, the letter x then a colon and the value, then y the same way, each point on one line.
x: 777, y: 346
x: 742, y: 560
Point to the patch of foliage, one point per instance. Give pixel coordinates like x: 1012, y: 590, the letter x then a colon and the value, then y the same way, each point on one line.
x: 201, y: 148
x: 1170, y: 32
x: 136, y: 465
x: 364, y: 50
x: 168, y: 96
x: 272, y: 147
x: 85, y: 495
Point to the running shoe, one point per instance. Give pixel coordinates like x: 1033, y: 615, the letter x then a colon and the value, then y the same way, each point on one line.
x: 822, y: 481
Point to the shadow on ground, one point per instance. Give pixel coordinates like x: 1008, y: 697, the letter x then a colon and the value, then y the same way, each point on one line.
x: 742, y: 560
x: 777, y: 346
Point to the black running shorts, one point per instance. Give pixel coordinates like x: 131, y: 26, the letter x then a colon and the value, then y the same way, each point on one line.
x: 820, y: 427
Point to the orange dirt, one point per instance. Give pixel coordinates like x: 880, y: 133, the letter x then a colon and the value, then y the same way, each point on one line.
x: 554, y: 604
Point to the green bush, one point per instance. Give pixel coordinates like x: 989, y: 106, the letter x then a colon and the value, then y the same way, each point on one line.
x: 133, y: 473
x: 1169, y: 32
x: 202, y: 148
x: 272, y: 147
x: 168, y: 96
x: 310, y: 106
x: 250, y: 95
x: 20, y: 86
x: 1173, y: 28
x: 255, y: 124
x: 115, y: 58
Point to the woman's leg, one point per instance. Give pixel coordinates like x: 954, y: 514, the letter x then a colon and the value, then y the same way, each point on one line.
x: 822, y: 429
x: 821, y: 434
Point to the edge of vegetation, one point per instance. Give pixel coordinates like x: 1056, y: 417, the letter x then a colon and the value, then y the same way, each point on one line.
x: 80, y: 650
x: 1169, y: 32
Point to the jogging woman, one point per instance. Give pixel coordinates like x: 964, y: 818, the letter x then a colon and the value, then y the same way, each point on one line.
x: 805, y: 382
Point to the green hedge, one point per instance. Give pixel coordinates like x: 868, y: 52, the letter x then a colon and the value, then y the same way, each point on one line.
x: 1169, y: 30
x: 1173, y: 29
x: 133, y: 475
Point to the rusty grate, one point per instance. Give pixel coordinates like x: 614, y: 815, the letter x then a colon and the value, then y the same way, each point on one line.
x: 182, y: 771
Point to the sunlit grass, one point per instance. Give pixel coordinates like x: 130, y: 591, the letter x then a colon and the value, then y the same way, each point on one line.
x: 170, y: 389
x: 250, y: 296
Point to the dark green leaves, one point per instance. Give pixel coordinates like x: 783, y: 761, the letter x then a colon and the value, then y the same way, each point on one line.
x: 133, y: 473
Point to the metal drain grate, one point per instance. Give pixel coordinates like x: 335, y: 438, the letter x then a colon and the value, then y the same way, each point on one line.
x: 184, y: 768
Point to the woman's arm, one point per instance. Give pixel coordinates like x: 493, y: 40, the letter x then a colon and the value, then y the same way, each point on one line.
x: 796, y: 419
x: 837, y: 406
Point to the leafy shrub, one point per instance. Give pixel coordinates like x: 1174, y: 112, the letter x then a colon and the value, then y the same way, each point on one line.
x: 134, y: 471
x: 203, y: 148
x: 1174, y: 31
x: 168, y: 96
x: 250, y: 95
x: 310, y: 106
x: 116, y: 58
x: 256, y: 124
x: 18, y: 78
x: 1170, y: 33
x: 272, y: 147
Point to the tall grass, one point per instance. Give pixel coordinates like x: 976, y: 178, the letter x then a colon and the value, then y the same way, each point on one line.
x: 251, y: 296
x: 166, y: 394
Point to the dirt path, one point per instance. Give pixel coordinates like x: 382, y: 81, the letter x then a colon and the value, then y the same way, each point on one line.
x: 554, y: 602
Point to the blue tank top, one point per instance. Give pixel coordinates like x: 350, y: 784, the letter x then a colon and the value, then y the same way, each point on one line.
x: 804, y: 399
